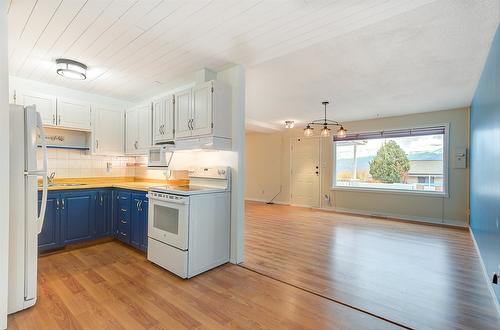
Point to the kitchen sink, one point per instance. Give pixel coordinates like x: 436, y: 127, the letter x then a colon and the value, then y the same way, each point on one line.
x: 66, y: 184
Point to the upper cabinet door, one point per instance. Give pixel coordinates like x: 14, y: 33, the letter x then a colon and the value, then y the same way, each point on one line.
x: 131, y: 131
x: 144, y: 133
x: 158, y: 120
x: 73, y: 114
x: 45, y: 104
x: 183, y: 114
x: 202, y: 118
x: 108, y: 131
x: 163, y: 120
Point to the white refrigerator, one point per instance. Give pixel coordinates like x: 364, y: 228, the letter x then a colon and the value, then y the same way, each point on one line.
x: 26, y: 221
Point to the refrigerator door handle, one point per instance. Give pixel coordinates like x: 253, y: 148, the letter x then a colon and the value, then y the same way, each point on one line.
x: 43, y: 143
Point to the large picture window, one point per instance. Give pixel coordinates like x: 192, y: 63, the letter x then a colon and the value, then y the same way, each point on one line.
x: 398, y: 160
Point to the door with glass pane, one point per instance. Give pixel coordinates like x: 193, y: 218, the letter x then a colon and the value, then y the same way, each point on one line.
x: 168, y: 223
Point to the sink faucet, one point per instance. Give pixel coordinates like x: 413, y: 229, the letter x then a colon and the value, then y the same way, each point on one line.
x: 51, y: 177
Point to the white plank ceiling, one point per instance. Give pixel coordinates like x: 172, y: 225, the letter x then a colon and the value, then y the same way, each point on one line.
x: 137, y: 48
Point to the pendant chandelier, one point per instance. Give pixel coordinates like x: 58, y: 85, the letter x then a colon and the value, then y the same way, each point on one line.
x: 326, y: 123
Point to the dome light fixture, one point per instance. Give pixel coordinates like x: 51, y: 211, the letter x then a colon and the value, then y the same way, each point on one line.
x: 71, y: 69
x: 289, y: 124
x: 326, y: 123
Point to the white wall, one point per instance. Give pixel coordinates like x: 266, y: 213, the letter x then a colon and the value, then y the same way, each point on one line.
x: 449, y: 210
x: 4, y: 167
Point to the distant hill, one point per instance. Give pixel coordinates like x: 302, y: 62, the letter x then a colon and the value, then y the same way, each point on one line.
x: 364, y: 162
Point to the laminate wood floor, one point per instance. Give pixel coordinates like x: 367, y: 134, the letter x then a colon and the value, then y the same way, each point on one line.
x: 421, y: 276
x: 112, y: 286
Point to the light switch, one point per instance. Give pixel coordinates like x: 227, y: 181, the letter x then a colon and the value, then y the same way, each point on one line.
x: 460, y: 157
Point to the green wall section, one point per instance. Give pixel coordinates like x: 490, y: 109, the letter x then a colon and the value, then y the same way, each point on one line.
x: 485, y: 162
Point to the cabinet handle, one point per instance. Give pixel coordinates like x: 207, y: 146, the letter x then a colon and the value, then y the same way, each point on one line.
x: 123, y: 221
x: 123, y: 210
x: 189, y: 124
x: 97, y: 144
x: 135, y: 144
x: 54, y: 119
x: 139, y: 206
x: 59, y: 120
x: 101, y: 200
x: 57, y: 204
x: 62, y: 204
x: 162, y: 129
x: 123, y: 234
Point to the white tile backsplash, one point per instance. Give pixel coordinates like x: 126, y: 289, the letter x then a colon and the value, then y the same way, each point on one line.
x: 76, y: 164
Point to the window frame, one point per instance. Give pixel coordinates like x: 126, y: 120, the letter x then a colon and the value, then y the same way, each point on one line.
x: 446, y: 167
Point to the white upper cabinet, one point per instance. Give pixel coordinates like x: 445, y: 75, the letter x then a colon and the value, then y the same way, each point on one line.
x: 58, y: 112
x: 108, y: 131
x: 73, y: 114
x: 183, y: 113
x: 45, y: 104
x: 163, y: 120
x: 138, y: 133
x: 203, y: 111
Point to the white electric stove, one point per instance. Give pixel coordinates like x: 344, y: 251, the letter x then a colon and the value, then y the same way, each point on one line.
x: 189, y: 225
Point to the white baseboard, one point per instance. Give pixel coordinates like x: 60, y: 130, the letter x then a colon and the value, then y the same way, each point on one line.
x: 264, y: 201
x: 485, y: 272
x: 395, y: 216
x: 438, y: 221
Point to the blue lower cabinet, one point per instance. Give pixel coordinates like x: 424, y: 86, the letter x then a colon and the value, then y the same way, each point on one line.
x: 75, y: 216
x: 49, y: 237
x: 78, y: 216
x: 103, y: 218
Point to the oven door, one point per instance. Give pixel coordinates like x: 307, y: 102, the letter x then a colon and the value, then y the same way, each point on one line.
x: 168, y: 222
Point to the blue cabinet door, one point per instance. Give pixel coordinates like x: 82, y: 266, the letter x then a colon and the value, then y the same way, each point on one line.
x: 139, y: 221
x: 49, y: 237
x: 103, y: 213
x: 122, y: 213
x: 135, y: 221
x: 144, y: 224
x: 77, y: 216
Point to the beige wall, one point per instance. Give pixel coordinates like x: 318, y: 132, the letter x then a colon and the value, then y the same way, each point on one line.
x: 264, y: 148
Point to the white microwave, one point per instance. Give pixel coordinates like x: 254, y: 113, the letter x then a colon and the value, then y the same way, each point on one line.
x: 160, y: 156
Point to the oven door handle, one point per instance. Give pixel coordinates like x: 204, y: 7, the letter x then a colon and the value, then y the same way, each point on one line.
x: 170, y: 201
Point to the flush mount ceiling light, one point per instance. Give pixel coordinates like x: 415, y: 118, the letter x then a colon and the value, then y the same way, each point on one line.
x: 71, y: 69
x: 326, y: 123
x: 289, y: 124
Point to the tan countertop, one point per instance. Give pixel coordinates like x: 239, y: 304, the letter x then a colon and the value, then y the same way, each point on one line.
x: 95, y: 183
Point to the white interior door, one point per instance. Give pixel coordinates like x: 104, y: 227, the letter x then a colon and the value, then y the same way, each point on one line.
x: 305, y: 171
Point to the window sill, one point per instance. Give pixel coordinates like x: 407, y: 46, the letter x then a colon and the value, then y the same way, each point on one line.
x: 392, y: 191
